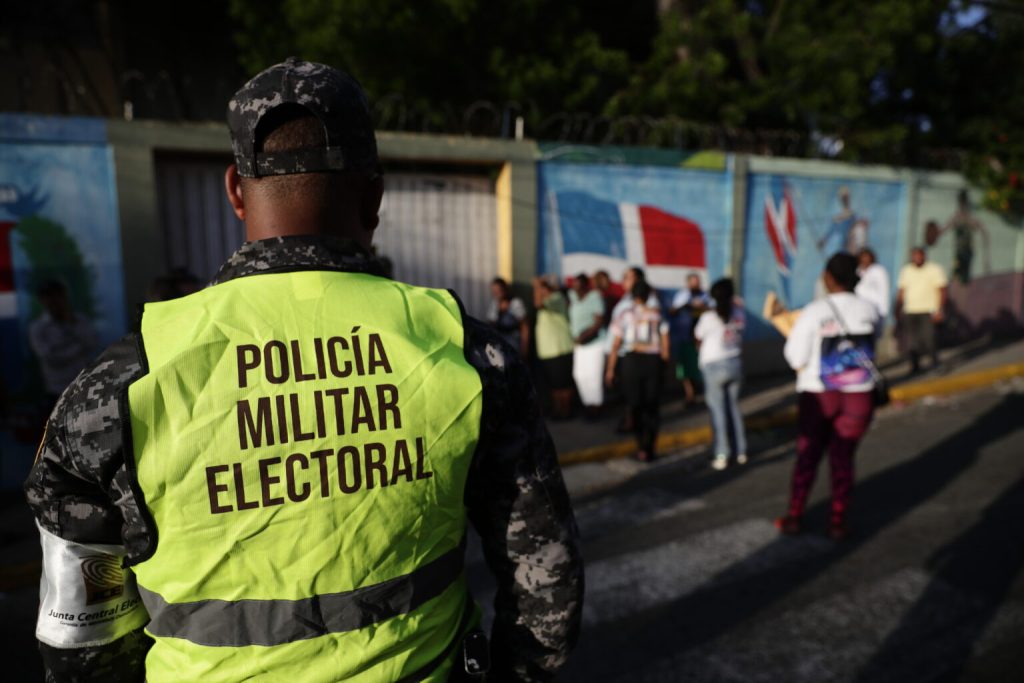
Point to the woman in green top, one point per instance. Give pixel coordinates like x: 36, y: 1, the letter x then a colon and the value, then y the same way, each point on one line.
x: 554, y: 344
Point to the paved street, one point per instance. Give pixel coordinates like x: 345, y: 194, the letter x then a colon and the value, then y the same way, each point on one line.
x: 687, y: 580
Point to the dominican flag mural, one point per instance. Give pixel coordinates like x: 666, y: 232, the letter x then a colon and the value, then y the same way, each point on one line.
x: 596, y: 234
x: 670, y: 221
x: 780, y: 226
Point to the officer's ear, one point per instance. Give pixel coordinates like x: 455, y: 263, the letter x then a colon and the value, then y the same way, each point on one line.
x: 233, y: 187
x: 369, y: 209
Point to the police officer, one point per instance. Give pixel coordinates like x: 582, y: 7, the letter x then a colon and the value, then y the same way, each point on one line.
x: 271, y: 479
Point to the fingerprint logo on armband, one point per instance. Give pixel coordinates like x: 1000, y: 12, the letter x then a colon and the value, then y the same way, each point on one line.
x: 104, y: 579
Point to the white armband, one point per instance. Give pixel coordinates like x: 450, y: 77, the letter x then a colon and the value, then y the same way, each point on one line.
x: 85, y: 597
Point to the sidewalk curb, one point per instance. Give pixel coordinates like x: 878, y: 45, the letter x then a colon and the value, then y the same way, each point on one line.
x: 696, y: 436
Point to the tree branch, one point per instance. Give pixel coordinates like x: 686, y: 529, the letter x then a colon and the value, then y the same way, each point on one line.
x: 773, y: 23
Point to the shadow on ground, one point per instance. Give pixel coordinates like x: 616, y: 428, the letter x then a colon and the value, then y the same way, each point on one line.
x: 736, y: 594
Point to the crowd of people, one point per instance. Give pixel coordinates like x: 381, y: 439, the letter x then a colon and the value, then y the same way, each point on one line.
x: 594, y: 340
x: 135, y: 447
x: 590, y: 341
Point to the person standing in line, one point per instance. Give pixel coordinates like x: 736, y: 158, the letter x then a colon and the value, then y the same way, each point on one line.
x: 603, y: 284
x: 642, y: 334
x: 687, y: 305
x: 830, y: 347
x: 185, y: 539
x: 630, y: 277
x: 508, y: 316
x: 719, y: 333
x: 920, y: 301
x: 554, y: 344
x: 178, y: 283
x: 874, y: 282
x: 64, y: 341
x: 586, y: 322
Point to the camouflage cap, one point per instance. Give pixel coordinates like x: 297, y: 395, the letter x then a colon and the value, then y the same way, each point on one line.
x: 332, y: 96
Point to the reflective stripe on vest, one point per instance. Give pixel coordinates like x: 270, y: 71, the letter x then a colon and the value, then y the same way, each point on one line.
x: 302, y: 441
x: 220, y: 623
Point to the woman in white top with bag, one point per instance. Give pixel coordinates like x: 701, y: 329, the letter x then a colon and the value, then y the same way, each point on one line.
x: 719, y: 333
x: 832, y: 348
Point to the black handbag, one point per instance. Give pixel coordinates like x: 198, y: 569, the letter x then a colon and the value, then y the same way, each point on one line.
x: 880, y: 390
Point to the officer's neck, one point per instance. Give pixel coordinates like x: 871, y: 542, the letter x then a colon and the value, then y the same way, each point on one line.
x: 261, y: 225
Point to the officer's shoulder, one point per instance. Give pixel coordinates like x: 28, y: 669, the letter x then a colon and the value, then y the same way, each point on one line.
x: 90, y: 403
x: 486, y: 350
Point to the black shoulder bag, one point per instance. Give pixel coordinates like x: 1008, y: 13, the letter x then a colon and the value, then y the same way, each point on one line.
x: 880, y: 392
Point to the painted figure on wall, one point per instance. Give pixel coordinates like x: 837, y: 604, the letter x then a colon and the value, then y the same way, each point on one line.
x: 848, y: 231
x: 63, y: 340
x: 794, y: 209
x: 964, y: 225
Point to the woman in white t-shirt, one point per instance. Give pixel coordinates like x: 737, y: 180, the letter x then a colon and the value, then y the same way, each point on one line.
x: 719, y: 333
x: 832, y: 348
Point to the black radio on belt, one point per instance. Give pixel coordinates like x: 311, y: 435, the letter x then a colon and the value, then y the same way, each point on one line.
x: 476, y: 655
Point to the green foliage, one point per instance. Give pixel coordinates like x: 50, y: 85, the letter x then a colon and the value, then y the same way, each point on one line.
x: 796, y: 64
x: 983, y: 110
x: 54, y: 254
x: 443, y: 55
x: 894, y: 80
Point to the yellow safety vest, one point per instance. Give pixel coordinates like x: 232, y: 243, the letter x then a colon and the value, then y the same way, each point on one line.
x: 301, y: 442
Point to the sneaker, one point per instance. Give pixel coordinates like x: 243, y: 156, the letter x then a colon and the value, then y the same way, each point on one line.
x: 742, y: 459
x: 788, y: 525
x: 720, y: 462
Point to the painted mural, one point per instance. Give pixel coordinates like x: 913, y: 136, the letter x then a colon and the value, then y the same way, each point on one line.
x: 60, y: 260
x: 795, y: 223
x: 671, y: 221
x: 982, y: 253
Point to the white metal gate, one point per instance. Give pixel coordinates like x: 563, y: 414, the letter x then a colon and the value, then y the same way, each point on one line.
x: 200, y: 229
x: 441, y: 231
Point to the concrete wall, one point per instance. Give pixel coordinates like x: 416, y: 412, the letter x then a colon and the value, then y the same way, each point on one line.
x: 888, y: 208
x: 986, y: 291
x: 896, y: 202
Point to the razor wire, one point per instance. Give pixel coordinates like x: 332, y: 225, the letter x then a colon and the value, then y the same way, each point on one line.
x: 489, y: 119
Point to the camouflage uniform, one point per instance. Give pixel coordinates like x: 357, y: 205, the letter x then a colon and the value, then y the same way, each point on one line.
x: 80, y: 491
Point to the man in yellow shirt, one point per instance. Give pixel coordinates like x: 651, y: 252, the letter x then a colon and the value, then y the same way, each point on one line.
x: 919, y: 304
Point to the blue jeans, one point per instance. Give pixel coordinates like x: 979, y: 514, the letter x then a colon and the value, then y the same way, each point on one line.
x: 722, y: 381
